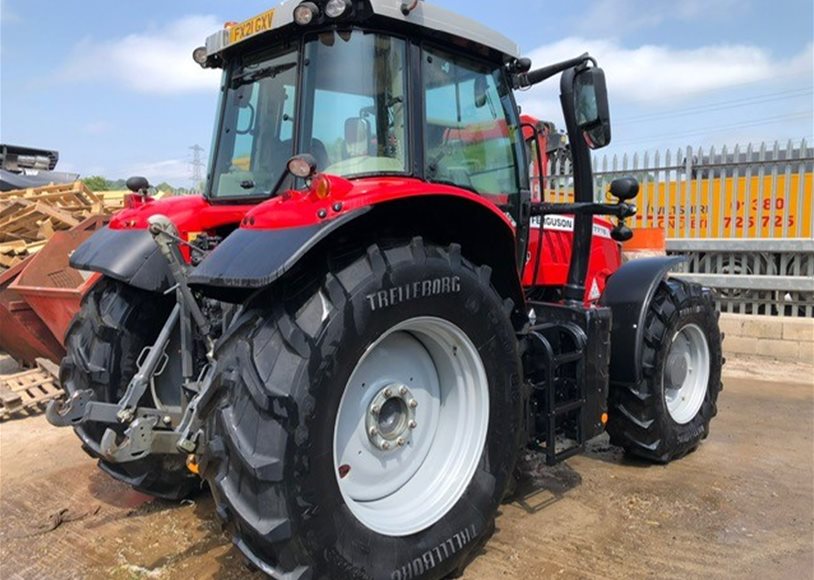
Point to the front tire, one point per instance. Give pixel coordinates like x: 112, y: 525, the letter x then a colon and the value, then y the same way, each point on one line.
x: 310, y: 492
x: 667, y: 414
x: 103, y: 343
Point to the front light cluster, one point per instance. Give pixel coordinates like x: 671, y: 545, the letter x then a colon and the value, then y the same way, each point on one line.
x: 307, y: 12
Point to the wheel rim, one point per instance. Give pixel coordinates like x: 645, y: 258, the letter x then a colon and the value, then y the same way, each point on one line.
x: 411, y: 426
x: 686, y: 373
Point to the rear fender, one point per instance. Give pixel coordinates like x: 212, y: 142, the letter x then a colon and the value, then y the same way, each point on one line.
x: 628, y: 294
x: 127, y: 255
x: 125, y: 250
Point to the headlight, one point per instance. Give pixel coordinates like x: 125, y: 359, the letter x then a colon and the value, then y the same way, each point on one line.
x: 336, y: 8
x: 302, y: 166
x: 305, y: 13
x: 199, y: 55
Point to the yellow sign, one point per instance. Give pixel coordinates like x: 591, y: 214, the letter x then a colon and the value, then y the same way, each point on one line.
x: 255, y: 25
x: 755, y: 207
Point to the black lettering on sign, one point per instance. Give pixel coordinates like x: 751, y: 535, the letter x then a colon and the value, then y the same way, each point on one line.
x: 407, y: 292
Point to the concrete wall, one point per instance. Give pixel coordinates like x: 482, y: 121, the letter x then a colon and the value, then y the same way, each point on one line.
x: 789, y: 339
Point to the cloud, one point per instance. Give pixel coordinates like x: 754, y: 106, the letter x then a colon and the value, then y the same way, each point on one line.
x: 157, y: 61
x: 172, y: 170
x: 654, y: 74
x: 628, y: 15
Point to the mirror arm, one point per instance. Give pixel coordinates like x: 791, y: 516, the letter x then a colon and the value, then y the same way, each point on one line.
x: 574, y: 290
x: 525, y: 80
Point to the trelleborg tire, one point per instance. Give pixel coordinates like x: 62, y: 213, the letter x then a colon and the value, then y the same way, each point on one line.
x: 667, y: 414
x: 410, y: 339
x: 114, y: 324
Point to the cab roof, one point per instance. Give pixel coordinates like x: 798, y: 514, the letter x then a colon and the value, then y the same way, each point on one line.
x: 427, y: 16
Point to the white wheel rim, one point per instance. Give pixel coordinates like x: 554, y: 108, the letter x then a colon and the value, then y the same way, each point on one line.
x: 435, y: 426
x: 686, y: 373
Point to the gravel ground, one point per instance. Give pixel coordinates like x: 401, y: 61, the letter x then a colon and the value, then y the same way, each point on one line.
x: 742, y: 505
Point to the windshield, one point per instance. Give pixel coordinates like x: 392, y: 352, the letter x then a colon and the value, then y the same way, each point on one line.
x: 353, y: 113
x: 355, y: 120
x: 256, y: 131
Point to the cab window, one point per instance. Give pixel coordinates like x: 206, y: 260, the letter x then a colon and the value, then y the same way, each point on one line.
x: 355, y: 114
x: 257, y: 126
x: 471, y: 131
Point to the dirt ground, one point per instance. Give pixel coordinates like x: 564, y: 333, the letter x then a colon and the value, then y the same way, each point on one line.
x: 742, y: 505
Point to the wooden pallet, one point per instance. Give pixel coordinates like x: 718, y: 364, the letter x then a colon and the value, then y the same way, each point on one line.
x: 26, y: 393
x: 66, y: 195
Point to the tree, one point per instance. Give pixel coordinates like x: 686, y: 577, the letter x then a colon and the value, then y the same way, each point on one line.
x: 97, y: 183
x: 165, y: 187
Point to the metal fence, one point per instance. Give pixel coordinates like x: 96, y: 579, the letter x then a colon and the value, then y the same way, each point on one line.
x: 744, y: 217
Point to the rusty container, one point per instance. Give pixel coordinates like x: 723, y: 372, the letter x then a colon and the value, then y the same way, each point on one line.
x: 50, y: 286
x: 23, y: 334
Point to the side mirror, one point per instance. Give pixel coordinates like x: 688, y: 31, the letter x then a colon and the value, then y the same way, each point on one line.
x: 591, y: 107
x: 357, y: 136
x: 480, y: 91
x: 624, y: 188
x: 137, y: 184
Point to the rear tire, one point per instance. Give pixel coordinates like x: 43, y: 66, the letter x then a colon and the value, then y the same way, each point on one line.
x: 103, y: 343
x: 287, y: 370
x: 667, y: 414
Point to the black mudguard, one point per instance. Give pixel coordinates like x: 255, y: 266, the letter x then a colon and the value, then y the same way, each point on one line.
x: 252, y: 259
x: 628, y: 292
x: 127, y: 255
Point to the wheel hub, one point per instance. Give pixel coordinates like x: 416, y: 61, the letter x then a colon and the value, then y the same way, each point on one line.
x: 390, y: 417
x: 677, y: 368
x: 686, y: 373
x: 411, y: 426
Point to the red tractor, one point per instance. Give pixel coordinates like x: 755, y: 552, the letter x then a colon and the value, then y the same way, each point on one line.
x: 355, y: 331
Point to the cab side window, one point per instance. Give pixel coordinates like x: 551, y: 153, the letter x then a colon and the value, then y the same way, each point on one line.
x: 469, y: 126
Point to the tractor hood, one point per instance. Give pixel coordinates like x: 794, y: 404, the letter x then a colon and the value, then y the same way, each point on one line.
x: 274, y: 235
x: 189, y: 213
x: 339, y: 196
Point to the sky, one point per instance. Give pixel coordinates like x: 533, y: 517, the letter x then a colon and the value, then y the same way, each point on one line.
x: 113, y: 87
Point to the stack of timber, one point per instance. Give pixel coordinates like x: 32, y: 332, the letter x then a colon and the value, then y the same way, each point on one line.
x: 29, y: 217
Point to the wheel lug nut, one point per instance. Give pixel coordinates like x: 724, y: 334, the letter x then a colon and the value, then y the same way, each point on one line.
x: 376, y: 409
x: 372, y: 431
x: 412, y: 424
x: 400, y: 441
x: 413, y: 403
x: 403, y: 390
x: 388, y: 393
x: 385, y: 446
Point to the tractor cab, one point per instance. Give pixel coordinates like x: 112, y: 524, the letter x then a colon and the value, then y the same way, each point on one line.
x: 371, y: 91
x: 378, y: 94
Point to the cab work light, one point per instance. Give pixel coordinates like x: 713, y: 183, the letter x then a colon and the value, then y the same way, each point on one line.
x: 199, y: 55
x: 305, y: 13
x: 336, y: 8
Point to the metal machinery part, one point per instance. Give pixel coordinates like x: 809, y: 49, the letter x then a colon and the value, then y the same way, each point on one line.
x: 411, y: 426
x: 686, y: 373
x: 162, y: 430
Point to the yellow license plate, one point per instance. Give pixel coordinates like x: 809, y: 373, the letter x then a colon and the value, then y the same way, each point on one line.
x: 255, y: 25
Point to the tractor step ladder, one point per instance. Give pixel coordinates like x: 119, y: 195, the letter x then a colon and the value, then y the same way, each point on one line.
x: 562, y: 347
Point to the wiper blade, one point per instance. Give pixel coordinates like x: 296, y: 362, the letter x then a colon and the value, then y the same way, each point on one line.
x: 261, y: 73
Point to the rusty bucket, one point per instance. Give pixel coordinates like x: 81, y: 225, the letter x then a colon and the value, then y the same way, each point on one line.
x: 50, y: 286
x: 23, y: 334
